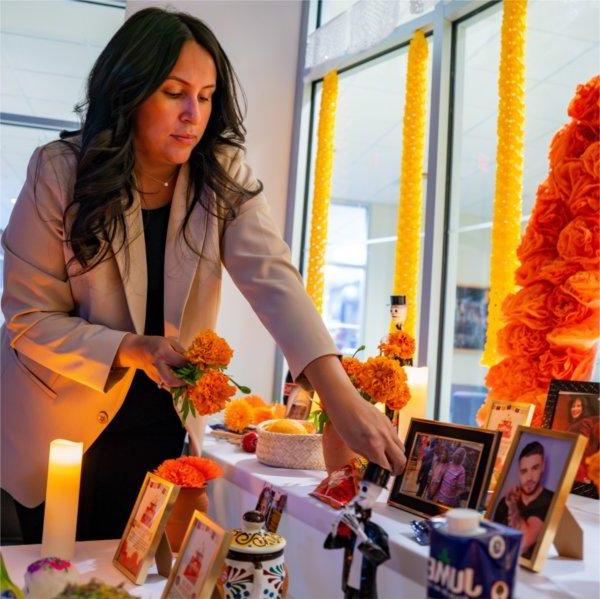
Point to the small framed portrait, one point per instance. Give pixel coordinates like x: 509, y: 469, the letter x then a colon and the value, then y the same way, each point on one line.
x: 145, y: 528
x: 299, y: 404
x: 200, y: 559
x: 574, y: 406
x: 470, y: 317
x: 533, y: 488
x: 506, y: 417
x: 447, y: 466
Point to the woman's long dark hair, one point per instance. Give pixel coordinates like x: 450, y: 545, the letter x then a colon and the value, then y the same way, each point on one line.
x: 136, y: 61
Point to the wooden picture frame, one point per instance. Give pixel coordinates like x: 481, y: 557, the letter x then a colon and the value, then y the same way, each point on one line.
x: 426, y: 485
x: 558, y: 417
x: 145, y: 529
x: 199, y: 561
x: 505, y: 417
x: 555, y: 469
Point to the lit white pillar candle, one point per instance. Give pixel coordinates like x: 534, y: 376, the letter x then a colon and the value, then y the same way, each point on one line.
x: 62, y: 499
x: 417, y: 406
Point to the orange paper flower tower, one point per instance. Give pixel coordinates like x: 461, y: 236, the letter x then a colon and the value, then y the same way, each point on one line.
x: 551, y: 329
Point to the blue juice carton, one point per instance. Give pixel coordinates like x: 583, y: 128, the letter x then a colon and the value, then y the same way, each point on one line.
x: 471, y: 558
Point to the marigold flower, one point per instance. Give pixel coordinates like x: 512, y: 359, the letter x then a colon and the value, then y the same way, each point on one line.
x: 382, y: 378
x: 593, y: 468
x: 239, y: 414
x: 352, y: 366
x: 399, y: 344
x: 189, y: 471
x: 261, y: 414
x: 208, y: 349
x: 211, y: 392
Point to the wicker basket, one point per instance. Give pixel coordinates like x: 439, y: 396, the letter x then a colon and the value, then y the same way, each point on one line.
x: 303, y: 452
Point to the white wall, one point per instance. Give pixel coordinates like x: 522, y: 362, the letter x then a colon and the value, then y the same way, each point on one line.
x: 261, y: 40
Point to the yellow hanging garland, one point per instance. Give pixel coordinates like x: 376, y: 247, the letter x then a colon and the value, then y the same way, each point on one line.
x: 411, y: 178
x: 506, y: 224
x: 322, y: 191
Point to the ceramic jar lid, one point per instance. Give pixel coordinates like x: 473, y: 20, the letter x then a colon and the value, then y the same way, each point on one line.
x: 253, y: 538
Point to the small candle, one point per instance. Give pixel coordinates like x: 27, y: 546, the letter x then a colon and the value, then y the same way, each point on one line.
x: 417, y: 406
x: 62, y: 499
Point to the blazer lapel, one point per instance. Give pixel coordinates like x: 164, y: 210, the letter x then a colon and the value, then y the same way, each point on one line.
x: 131, y: 260
x: 181, y: 261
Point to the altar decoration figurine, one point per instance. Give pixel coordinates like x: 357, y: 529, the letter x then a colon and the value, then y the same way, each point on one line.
x: 365, y: 543
x: 549, y: 326
x: 207, y: 388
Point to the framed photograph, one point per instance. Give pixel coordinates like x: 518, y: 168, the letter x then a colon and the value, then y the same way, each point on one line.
x: 470, y: 317
x: 145, y: 528
x: 506, y: 417
x: 299, y: 404
x: 574, y: 406
x: 200, y: 559
x: 271, y: 504
x: 533, y: 488
x: 448, y: 466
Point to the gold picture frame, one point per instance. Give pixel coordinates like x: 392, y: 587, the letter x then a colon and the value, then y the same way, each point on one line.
x: 523, y: 415
x: 568, y: 448
x: 144, y: 539
x: 195, y: 573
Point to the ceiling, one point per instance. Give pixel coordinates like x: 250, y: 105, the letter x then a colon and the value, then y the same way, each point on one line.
x: 562, y: 51
x: 48, y: 48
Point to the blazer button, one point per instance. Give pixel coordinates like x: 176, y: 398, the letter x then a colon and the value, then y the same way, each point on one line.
x: 102, y: 417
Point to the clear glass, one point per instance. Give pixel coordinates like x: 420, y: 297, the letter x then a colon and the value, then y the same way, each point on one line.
x: 332, y: 8
x: 562, y: 51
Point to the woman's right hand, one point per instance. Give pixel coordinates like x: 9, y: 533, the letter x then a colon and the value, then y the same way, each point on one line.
x: 154, y: 355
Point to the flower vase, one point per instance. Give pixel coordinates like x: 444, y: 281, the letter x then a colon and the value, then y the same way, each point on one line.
x: 336, y: 452
x: 188, y: 500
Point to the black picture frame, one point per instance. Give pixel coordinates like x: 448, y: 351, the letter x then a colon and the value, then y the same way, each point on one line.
x: 490, y: 441
x: 550, y: 412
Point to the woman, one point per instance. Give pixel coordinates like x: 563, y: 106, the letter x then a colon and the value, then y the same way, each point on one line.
x: 113, y: 264
x: 440, y: 465
x: 452, y: 483
x: 584, y: 420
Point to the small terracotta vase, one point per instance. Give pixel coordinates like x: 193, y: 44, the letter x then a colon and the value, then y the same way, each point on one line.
x: 188, y: 500
x: 335, y: 451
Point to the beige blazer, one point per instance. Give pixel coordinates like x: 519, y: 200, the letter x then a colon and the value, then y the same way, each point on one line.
x: 62, y: 332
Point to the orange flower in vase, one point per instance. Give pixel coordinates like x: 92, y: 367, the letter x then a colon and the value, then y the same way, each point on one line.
x: 191, y: 473
x: 399, y: 345
x: 384, y: 381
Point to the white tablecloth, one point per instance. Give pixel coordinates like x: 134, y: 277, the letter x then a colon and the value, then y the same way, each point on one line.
x: 315, y: 573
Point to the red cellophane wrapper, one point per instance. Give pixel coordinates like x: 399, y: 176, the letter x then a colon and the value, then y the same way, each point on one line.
x: 341, y: 485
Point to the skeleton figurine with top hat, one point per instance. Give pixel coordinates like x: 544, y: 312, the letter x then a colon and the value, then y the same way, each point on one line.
x: 365, y: 543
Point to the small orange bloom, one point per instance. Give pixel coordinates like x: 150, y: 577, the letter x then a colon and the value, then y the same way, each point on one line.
x: 399, y: 344
x: 585, y: 106
x: 593, y: 468
x: 528, y: 306
x: 517, y: 339
x: 208, y: 349
x: 565, y: 309
x: 238, y: 415
x: 211, y: 392
x: 189, y: 471
x: 261, y: 414
x: 382, y: 379
x: 352, y: 366
x: 579, y: 241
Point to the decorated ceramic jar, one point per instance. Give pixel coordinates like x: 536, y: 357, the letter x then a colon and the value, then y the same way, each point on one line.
x: 254, y: 567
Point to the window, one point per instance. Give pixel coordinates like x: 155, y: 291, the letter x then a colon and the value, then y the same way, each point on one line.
x: 364, y: 202
x: 562, y: 51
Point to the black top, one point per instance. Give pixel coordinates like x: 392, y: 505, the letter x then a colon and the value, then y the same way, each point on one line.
x: 538, y: 508
x: 147, y: 407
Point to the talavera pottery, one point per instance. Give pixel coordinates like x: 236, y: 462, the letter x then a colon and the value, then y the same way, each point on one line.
x: 255, y: 566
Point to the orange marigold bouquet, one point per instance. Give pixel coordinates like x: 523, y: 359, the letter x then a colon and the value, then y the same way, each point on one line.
x: 189, y: 471
x: 381, y: 379
x: 207, y: 388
